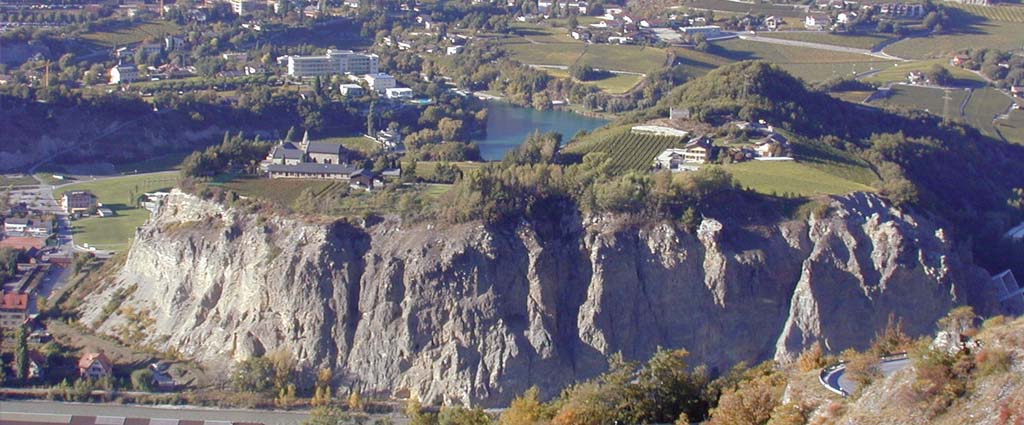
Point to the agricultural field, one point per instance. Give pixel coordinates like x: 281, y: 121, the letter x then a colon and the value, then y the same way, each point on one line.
x: 695, y: 62
x: 791, y: 177
x: 166, y: 162
x: 984, y: 33
x: 561, y: 54
x: 116, y: 233
x: 17, y: 180
x: 944, y: 103
x: 809, y: 64
x: 120, y: 36
x: 898, y: 73
x: 615, y: 84
x: 746, y: 8
x: 1005, y: 13
x: 857, y: 40
x: 628, y: 151
x: 283, y: 192
x: 983, y: 107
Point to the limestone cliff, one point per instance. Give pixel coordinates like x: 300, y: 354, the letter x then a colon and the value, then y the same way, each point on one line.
x: 476, y: 314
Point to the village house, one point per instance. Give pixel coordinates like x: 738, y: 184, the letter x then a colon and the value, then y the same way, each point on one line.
x: 351, y: 90
x: 398, y: 93
x: 78, y: 201
x: 772, y: 23
x: 28, y: 227
x: 959, y: 60
x: 123, y: 74
x: 816, y: 21
x: 13, y: 310
x: 1017, y: 91
x: 95, y: 366
x: 917, y: 77
x: 694, y: 153
x: 773, y: 146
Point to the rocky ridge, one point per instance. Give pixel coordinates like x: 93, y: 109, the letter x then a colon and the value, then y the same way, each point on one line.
x: 474, y: 314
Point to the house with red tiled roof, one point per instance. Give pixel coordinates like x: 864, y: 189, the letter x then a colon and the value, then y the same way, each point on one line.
x: 94, y: 366
x: 13, y: 310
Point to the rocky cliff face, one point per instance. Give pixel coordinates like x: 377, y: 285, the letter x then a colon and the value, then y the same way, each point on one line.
x: 473, y: 314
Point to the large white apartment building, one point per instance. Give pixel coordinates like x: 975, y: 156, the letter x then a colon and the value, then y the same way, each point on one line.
x: 334, y: 62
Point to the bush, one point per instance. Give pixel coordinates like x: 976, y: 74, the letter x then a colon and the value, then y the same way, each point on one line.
x: 993, y: 361
x: 255, y: 374
x: 142, y: 380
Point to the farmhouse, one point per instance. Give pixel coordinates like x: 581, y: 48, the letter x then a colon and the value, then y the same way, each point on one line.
x: 959, y: 60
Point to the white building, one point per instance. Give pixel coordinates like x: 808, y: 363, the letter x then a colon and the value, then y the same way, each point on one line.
x: 242, y: 7
x: 707, y: 30
x: 657, y: 130
x: 453, y: 50
x: 351, y: 90
x: 398, y: 93
x: 334, y: 62
x: 380, y: 81
x: 123, y: 74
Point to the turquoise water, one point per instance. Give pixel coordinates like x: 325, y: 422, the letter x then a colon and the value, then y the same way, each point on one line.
x: 508, y: 125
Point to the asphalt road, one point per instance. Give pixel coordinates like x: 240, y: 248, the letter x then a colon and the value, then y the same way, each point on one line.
x: 840, y: 381
x: 164, y: 412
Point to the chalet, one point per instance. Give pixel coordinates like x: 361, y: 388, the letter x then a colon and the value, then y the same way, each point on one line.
x: 697, y: 151
x: 770, y: 148
x: 78, y: 201
x: 94, y: 366
x: 772, y: 23
x: 959, y: 60
x: 673, y: 160
x: 13, y: 310
x: 1017, y: 91
x: 816, y: 21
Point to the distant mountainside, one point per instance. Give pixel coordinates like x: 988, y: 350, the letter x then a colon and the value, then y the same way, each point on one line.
x: 471, y: 313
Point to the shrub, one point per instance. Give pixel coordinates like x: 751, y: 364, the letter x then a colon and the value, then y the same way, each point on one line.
x: 812, y: 359
x: 142, y: 380
x: 993, y: 360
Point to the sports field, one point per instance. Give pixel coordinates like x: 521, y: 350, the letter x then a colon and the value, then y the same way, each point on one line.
x: 116, y: 233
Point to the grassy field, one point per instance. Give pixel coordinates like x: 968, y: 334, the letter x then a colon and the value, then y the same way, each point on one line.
x: 791, y: 177
x: 120, y: 36
x: 563, y: 54
x: 926, y: 99
x: 615, y: 84
x: 985, y: 33
x: 697, y: 63
x: 809, y: 64
x: 116, y: 233
x: 628, y: 152
x: 859, y: 41
x: 1006, y: 13
x: 1013, y: 129
x: 986, y: 104
x: 898, y: 72
x: 356, y: 143
x: 624, y: 58
x: 167, y: 162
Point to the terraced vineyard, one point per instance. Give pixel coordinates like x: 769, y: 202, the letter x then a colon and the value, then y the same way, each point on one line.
x: 995, y: 13
x: 628, y: 151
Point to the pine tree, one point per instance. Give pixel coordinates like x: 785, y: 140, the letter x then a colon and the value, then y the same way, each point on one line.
x: 370, y: 125
x: 21, y: 353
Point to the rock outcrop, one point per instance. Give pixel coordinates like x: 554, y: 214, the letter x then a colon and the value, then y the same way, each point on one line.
x: 473, y: 314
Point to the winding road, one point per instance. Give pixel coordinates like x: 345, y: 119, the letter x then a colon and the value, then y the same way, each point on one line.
x: 837, y: 381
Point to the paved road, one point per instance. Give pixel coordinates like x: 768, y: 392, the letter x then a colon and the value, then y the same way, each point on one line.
x: 162, y: 412
x: 834, y: 48
x: 838, y: 380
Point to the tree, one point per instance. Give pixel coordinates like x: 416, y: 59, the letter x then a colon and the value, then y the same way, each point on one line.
x: 21, y: 352
x: 355, y: 401
x: 371, y: 129
x: 752, y: 402
x: 459, y: 415
x: 255, y: 374
x: 526, y: 409
x: 142, y: 380
x: 572, y: 22
x: 939, y: 75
